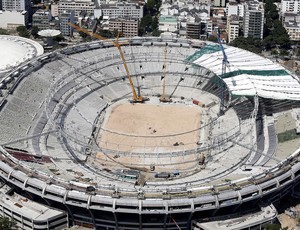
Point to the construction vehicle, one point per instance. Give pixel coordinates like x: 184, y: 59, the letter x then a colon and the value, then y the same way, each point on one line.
x: 163, y: 96
x: 136, y: 98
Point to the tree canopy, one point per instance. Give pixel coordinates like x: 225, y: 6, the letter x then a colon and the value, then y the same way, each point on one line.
x: 6, y: 223
x: 3, y: 31
x: 34, y: 31
x: 275, y: 33
x: 251, y: 44
x: 149, y: 23
x: 23, y: 32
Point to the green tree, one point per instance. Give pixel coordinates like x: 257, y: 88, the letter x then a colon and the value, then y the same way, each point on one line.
x: 146, y: 23
x: 284, y: 52
x: 3, y: 32
x: 154, y: 23
x: 274, y: 52
x: 273, y: 227
x: 274, y: 32
x: 108, y: 33
x: 151, y: 4
x: 156, y: 33
x: 212, y: 38
x: 83, y: 34
x: 36, y: 2
x: 250, y: 44
x: 59, y: 38
x: 23, y: 32
x: 7, y: 224
x: 34, y: 31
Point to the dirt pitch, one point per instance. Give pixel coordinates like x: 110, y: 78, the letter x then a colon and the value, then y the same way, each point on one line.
x: 150, y: 127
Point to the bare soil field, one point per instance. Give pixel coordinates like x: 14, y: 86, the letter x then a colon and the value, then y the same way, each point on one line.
x: 150, y: 127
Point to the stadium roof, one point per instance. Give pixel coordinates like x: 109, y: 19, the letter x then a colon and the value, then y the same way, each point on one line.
x: 16, y: 50
x: 248, y: 74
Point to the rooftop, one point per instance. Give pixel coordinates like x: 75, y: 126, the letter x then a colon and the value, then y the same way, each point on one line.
x: 17, y: 50
x: 25, y: 207
x: 165, y: 19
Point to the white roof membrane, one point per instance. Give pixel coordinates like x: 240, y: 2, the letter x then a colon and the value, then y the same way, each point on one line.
x: 248, y: 74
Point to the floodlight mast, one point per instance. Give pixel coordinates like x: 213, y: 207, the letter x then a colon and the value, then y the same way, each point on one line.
x: 136, y: 98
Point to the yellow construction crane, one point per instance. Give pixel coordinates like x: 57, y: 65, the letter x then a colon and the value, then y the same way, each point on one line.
x: 116, y: 43
x: 163, y: 96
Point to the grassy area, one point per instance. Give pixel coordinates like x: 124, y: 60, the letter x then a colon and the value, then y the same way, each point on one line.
x: 287, y: 135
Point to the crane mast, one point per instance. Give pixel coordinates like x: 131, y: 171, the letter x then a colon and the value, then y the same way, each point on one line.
x: 135, y: 97
x: 224, y: 64
x: 163, y: 96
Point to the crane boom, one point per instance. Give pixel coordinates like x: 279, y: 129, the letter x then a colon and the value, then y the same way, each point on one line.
x: 136, y: 98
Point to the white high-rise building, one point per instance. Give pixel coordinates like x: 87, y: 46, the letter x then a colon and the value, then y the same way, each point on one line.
x: 15, y: 12
x: 219, y: 3
x: 232, y: 8
x: 290, y: 6
x: 78, y: 6
x: 122, y: 10
x: 16, y: 5
x: 253, y: 23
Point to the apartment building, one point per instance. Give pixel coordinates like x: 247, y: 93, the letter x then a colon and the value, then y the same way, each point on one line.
x: 233, y: 26
x: 122, y: 10
x: 16, y: 5
x: 253, y: 23
x: 78, y: 6
x: 41, y: 19
x: 291, y: 22
x: 290, y: 6
x: 168, y: 24
x: 64, y: 19
x: 127, y: 27
x: 17, y: 12
x: 233, y: 8
x: 12, y: 19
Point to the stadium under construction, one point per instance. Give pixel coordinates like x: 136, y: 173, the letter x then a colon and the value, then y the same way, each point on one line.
x: 204, y: 147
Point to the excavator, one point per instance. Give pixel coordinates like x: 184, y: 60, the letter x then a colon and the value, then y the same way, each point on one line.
x: 136, y: 97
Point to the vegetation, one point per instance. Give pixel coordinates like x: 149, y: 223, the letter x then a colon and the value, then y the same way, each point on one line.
x: 149, y: 23
x: 250, y: 44
x: 287, y: 135
x: 275, y: 34
x: 85, y: 37
x: 59, y: 38
x: 108, y: 33
x: 36, y: 2
x: 3, y: 32
x: 212, y: 38
x: 273, y: 227
x: 7, y: 224
x: 23, y: 32
x: 34, y: 31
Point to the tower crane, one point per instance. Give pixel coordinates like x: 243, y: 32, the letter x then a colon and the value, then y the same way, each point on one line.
x: 135, y: 97
x: 163, y: 96
x: 224, y: 64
